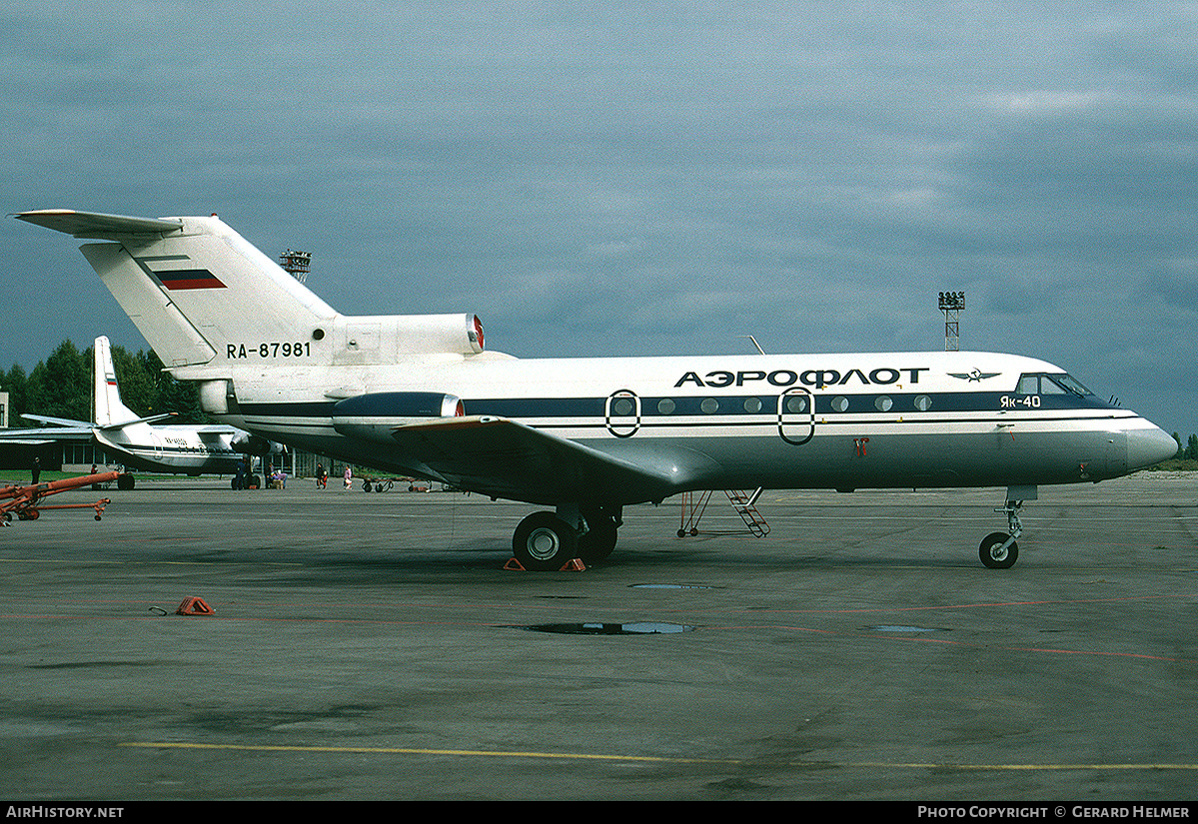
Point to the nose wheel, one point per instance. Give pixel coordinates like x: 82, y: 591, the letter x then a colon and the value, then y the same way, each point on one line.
x: 999, y: 551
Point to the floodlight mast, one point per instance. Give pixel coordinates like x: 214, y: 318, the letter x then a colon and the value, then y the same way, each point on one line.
x: 951, y: 304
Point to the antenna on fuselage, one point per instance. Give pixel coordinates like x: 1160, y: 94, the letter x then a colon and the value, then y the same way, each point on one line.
x: 951, y: 304
x: 756, y: 344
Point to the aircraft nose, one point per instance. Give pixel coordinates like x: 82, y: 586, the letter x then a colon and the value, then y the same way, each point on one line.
x: 1146, y: 447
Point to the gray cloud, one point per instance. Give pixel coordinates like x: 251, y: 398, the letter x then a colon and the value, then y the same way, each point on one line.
x: 642, y: 178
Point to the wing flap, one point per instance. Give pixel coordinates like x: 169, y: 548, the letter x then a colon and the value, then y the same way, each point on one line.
x: 506, y: 459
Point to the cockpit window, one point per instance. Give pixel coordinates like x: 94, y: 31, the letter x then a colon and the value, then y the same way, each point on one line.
x: 1070, y: 384
x: 1028, y: 385
x: 1058, y: 384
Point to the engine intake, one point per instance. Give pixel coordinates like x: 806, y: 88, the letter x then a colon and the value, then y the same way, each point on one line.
x: 374, y: 416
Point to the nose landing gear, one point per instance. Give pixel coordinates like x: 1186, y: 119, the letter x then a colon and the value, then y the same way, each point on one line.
x: 999, y: 549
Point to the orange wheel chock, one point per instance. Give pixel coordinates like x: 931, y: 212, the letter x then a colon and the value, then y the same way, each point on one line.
x: 194, y: 606
x: 573, y: 565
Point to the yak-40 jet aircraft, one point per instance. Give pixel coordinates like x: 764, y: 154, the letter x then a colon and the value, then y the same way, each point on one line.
x: 141, y: 443
x: 419, y: 395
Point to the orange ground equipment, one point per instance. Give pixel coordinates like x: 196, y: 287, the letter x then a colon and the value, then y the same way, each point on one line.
x: 194, y: 606
x: 26, y: 501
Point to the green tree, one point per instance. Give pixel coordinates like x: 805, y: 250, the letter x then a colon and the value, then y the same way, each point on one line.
x: 60, y: 386
x: 139, y: 391
x: 1192, y: 448
x: 15, y: 383
x: 182, y: 398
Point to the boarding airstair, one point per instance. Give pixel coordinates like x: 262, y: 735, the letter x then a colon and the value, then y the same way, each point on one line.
x: 694, y: 505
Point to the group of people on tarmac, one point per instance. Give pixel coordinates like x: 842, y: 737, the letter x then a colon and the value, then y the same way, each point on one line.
x: 322, y: 477
x: 246, y: 479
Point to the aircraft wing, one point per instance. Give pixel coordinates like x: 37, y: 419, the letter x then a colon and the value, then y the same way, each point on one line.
x: 99, y: 226
x: 499, y: 457
x: 45, y: 435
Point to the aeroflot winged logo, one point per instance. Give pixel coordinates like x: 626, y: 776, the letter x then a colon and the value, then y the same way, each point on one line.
x: 976, y: 376
x: 174, y: 273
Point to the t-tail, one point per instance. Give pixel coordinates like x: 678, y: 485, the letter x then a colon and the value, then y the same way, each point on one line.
x: 110, y: 411
x: 206, y: 300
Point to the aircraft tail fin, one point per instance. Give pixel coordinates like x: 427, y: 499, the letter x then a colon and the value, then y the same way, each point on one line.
x: 192, y: 285
x: 110, y: 411
x: 206, y: 299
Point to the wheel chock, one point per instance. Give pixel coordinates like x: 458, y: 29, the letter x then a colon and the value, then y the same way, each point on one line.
x: 194, y: 606
x: 573, y: 565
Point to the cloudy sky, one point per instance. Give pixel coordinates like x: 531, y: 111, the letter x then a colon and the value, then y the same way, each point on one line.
x: 641, y: 177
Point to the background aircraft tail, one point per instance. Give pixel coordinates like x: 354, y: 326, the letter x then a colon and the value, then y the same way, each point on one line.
x: 110, y: 411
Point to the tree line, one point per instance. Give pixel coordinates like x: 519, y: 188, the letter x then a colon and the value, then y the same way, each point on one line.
x: 61, y: 387
x: 1189, y: 451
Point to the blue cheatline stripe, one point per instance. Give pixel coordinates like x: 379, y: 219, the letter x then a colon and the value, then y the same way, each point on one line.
x: 826, y: 404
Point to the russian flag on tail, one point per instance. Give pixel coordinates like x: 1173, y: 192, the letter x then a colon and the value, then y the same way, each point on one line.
x: 188, y: 279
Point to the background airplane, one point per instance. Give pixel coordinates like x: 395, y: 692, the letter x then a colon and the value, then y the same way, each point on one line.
x: 139, y: 442
x: 417, y: 394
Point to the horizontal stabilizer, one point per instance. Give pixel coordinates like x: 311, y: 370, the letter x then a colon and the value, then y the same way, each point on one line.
x: 116, y: 427
x: 100, y: 226
x: 506, y: 459
x: 57, y: 421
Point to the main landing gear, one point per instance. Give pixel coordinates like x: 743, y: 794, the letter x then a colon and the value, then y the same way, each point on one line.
x: 548, y: 540
x: 998, y: 549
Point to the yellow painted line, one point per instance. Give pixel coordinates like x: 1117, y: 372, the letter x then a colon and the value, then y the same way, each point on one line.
x: 418, y: 751
x: 1015, y: 767
x: 647, y: 758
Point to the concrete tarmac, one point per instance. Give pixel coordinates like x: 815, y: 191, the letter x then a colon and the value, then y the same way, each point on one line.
x: 372, y: 646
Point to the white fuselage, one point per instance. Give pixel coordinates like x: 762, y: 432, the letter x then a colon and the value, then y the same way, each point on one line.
x: 783, y: 421
x: 178, y: 449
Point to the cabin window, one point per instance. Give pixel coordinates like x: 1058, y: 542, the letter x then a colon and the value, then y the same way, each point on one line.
x: 840, y: 404
x: 883, y: 404
x: 666, y: 406
x: 710, y: 406
x: 752, y: 405
x: 923, y: 402
x: 796, y: 404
